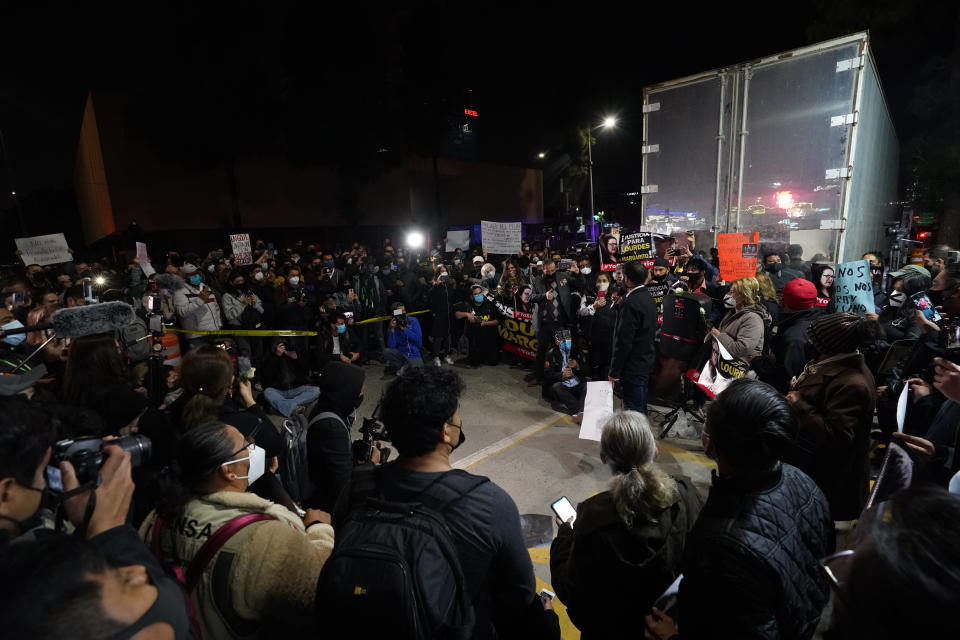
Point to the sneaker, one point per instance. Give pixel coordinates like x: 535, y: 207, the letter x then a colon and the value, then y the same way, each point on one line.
x: 436, y: 362
x: 448, y: 360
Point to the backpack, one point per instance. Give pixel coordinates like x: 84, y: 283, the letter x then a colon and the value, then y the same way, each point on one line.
x: 397, y: 561
x: 295, y: 467
x: 133, y: 338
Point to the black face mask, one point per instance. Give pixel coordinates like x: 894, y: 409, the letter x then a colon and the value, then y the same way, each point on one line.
x: 460, y: 441
x: 169, y: 607
x: 773, y: 268
x: 657, y: 278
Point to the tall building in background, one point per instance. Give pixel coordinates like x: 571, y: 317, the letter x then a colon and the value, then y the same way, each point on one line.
x: 461, y: 139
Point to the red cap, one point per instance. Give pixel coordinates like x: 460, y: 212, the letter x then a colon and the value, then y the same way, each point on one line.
x: 799, y: 295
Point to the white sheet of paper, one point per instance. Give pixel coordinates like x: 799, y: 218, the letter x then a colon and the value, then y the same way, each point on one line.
x: 500, y: 237
x: 458, y: 240
x: 44, y: 250
x: 597, y: 409
x: 902, y: 406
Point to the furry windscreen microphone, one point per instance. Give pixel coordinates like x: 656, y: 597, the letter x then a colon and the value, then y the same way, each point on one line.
x: 169, y: 281
x: 105, y: 317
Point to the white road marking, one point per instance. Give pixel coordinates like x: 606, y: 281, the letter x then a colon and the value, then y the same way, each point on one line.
x: 498, y: 446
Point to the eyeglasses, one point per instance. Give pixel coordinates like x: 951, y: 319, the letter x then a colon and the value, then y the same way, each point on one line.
x: 249, y: 442
x: 458, y: 426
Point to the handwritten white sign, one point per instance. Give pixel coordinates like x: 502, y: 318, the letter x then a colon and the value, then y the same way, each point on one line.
x: 241, y: 249
x: 458, y: 240
x: 43, y: 250
x: 597, y: 409
x: 500, y: 237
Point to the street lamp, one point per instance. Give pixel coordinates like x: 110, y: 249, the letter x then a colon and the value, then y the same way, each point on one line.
x: 608, y: 123
x: 541, y: 155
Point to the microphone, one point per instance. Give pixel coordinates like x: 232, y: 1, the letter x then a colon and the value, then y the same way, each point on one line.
x: 169, y: 281
x: 75, y: 322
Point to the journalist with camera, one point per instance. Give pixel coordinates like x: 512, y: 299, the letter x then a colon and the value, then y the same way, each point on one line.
x: 404, y: 340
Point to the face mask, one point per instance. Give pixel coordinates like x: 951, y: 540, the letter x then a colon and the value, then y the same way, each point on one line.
x: 341, y: 328
x: 603, y: 286
x: 196, y: 279
x: 478, y: 298
x: 258, y: 460
x: 294, y: 281
x: 328, y: 264
x: 168, y: 608
x: 729, y: 302
x: 16, y: 338
x: 212, y: 268
x: 33, y: 520
x: 695, y: 278
x: 295, y: 258
x: 566, y: 345
x: 385, y: 270
x: 460, y: 440
x: 586, y: 271
x: 897, y: 298
x: 258, y: 276
x: 773, y: 268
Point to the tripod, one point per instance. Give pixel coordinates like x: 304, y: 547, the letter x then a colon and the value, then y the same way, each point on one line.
x: 671, y: 418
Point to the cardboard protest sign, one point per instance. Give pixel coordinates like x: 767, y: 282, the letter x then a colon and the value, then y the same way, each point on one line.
x: 738, y: 253
x: 44, y: 250
x: 637, y: 246
x: 853, y: 289
x: 597, y: 409
x: 458, y: 240
x: 609, y: 249
x: 500, y: 237
x: 242, y: 254
x: 144, y: 257
x: 719, y: 371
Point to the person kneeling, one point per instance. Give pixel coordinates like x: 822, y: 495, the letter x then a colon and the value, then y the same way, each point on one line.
x: 564, y: 373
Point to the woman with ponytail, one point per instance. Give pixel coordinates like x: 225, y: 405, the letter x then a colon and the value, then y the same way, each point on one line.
x: 624, y: 547
x: 258, y: 577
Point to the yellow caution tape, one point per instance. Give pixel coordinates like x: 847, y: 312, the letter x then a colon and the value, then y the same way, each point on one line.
x: 382, y: 318
x: 269, y: 333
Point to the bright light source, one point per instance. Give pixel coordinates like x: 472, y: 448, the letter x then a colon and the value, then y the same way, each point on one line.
x: 99, y: 281
x: 784, y: 199
x: 414, y: 239
x: 609, y: 122
x: 541, y: 155
x: 13, y: 193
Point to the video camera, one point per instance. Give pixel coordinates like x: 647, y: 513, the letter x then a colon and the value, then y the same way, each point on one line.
x: 87, y: 457
x: 371, y: 431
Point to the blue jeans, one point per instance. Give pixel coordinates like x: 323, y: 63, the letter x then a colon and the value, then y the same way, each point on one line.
x: 396, y: 359
x: 286, y: 402
x: 635, y: 393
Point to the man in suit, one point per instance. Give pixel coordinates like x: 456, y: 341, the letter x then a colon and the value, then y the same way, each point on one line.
x: 633, y: 348
x: 551, y: 294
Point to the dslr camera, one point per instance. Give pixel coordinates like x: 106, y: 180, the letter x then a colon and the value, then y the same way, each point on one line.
x: 87, y: 455
x: 400, y: 316
x: 371, y: 431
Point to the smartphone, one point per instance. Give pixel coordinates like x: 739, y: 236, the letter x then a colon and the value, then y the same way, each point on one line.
x: 565, y: 264
x: 564, y: 509
x: 601, y: 294
x: 19, y: 298
x: 150, y: 303
x: 922, y: 302
x: 348, y: 314
x: 350, y: 291
x: 54, y: 479
x: 546, y: 593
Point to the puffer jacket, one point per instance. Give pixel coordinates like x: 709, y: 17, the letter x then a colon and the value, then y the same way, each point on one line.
x: 741, y: 332
x: 264, y: 577
x: 605, y: 573
x: 193, y: 310
x: 751, y: 568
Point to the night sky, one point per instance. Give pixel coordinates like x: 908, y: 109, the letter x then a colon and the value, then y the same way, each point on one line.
x: 327, y: 85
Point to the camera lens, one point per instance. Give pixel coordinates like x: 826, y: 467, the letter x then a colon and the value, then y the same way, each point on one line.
x: 139, y: 447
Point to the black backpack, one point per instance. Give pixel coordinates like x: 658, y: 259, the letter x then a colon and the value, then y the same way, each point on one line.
x: 397, y: 561
x: 295, y: 470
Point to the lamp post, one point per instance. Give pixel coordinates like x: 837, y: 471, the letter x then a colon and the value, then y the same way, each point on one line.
x: 608, y: 123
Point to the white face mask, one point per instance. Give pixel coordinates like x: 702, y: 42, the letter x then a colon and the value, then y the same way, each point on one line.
x: 258, y: 276
x: 294, y: 281
x: 603, y: 286
x: 258, y: 462
x: 212, y: 268
x: 729, y: 302
x: 897, y: 298
x: 586, y: 271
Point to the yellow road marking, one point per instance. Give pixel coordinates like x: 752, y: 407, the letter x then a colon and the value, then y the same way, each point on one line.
x: 567, y: 630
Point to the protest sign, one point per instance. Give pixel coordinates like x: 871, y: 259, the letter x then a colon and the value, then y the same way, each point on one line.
x: 637, y: 246
x: 609, y: 249
x: 44, y: 250
x: 458, y: 240
x: 719, y: 371
x: 242, y: 253
x: 597, y: 409
x: 144, y: 258
x: 500, y: 237
x: 658, y: 291
x: 518, y: 334
x: 853, y: 289
x: 738, y: 253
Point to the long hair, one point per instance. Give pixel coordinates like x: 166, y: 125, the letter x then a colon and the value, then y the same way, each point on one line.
x: 767, y: 290
x: 816, y: 270
x: 199, y: 454
x: 93, y: 362
x: 205, y: 377
x: 640, y: 489
x: 749, y: 288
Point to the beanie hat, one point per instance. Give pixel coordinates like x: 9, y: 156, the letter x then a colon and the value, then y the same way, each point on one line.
x: 799, y: 295
x: 836, y: 333
x: 661, y: 262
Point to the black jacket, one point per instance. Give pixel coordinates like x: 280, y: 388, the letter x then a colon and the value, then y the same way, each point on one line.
x: 283, y: 372
x: 606, y: 573
x: 561, y: 285
x: 553, y: 369
x: 348, y: 344
x: 751, y: 568
x: 633, y: 349
x: 790, y: 344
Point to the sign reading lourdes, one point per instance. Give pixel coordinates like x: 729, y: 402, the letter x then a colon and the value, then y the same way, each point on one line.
x: 853, y: 290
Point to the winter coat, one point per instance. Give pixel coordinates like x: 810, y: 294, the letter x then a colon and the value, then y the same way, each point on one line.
x: 193, y: 310
x: 751, y: 568
x: 790, y: 343
x: 605, y: 572
x: 562, y: 288
x: 741, y: 332
x: 835, y: 415
x: 263, y: 577
x: 234, y: 306
x: 633, y: 347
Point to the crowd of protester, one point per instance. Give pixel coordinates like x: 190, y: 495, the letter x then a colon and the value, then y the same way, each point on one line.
x: 193, y: 473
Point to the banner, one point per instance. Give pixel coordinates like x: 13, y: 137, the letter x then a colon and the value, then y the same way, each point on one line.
x: 638, y: 246
x: 519, y: 335
x: 609, y: 248
x: 853, y: 290
x: 658, y: 292
x: 242, y: 253
x: 719, y: 371
x: 458, y: 240
x: 44, y: 250
x: 500, y: 237
x: 738, y: 253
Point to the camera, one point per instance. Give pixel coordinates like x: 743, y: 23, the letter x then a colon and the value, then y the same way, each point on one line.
x: 87, y: 455
x: 401, y: 317
x: 371, y: 431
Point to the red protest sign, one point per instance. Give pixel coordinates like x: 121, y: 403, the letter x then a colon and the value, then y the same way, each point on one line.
x: 738, y: 255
